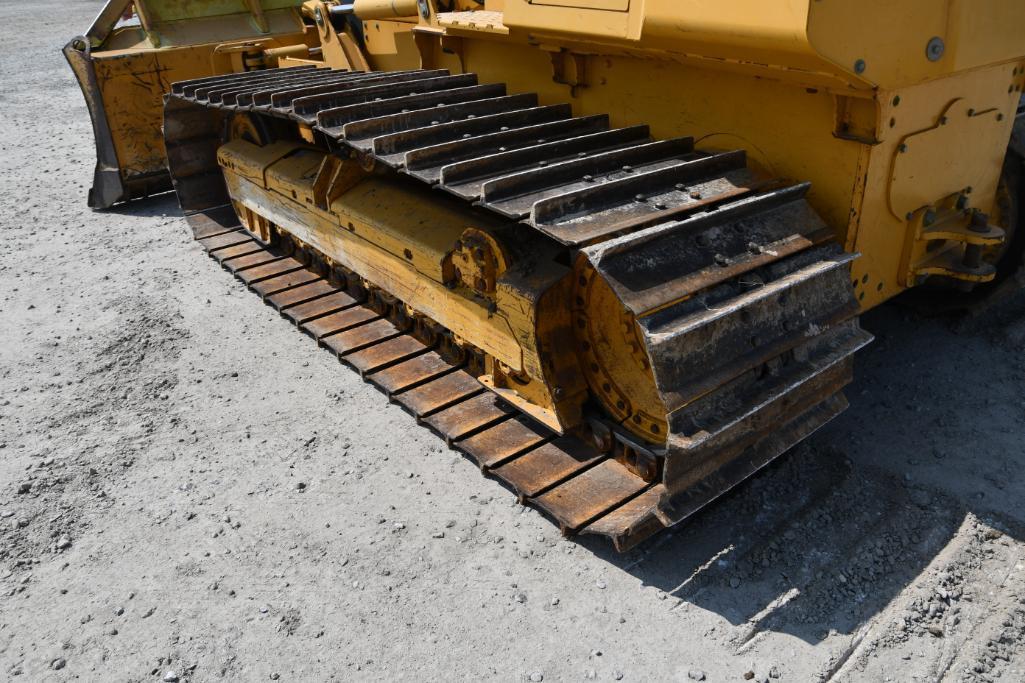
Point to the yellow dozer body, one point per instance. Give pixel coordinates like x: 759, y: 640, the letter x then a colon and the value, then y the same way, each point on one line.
x: 612, y: 250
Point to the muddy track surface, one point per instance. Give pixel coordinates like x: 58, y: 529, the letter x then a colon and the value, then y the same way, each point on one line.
x: 191, y: 490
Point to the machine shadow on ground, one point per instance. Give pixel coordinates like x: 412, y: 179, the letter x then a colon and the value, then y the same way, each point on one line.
x: 822, y: 540
x: 157, y: 205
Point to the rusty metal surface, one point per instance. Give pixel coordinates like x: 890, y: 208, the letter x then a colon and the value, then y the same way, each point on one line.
x: 439, y: 393
x: 304, y: 294
x: 283, y: 98
x: 495, y: 445
x: 675, y: 507
x: 359, y: 337
x: 467, y: 178
x: 471, y: 415
x: 215, y: 222
x: 244, y: 249
x: 391, y: 147
x: 362, y: 134
x: 258, y: 258
x: 427, y: 163
x: 410, y: 373
x: 284, y: 282
x: 550, y: 463
x: 336, y: 323
x: 516, y: 194
x: 305, y: 109
x: 303, y: 312
x: 334, y: 121
x: 228, y: 239
x: 385, y: 353
x: 189, y: 88
x: 280, y: 99
x: 590, y: 495
x: 251, y: 276
x: 630, y: 523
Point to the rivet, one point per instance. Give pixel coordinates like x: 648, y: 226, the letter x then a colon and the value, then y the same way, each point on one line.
x: 859, y: 66
x: 934, y: 49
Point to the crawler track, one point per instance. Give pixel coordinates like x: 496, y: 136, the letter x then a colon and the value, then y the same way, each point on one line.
x: 741, y: 298
x: 583, y: 490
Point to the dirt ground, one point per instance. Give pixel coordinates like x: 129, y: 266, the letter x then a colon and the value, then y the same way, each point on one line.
x: 190, y: 490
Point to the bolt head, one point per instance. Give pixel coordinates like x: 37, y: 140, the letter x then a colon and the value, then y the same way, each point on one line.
x: 859, y: 66
x: 934, y: 49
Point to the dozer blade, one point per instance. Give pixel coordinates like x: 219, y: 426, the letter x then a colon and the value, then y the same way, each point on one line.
x: 660, y: 322
x: 124, y: 68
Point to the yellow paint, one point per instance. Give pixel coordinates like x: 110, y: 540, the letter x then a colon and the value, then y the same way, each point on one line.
x: 751, y: 75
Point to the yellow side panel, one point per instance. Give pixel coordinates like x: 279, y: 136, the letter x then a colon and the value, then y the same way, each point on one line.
x: 935, y: 166
x: 891, y: 37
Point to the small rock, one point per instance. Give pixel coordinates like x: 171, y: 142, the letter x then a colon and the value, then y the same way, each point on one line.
x: 300, y: 486
x: 520, y: 597
x: 748, y: 675
x: 774, y: 672
x: 590, y: 674
x: 170, y: 676
x: 555, y: 601
x: 112, y: 631
x: 58, y: 664
x: 25, y: 487
x: 438, y: 534
x: 936, y: 630
x: 537, y: 677
x: 275, y: 676
x: 399, y: 526
x: 600, y: 584
x: 618, y: 675
x: 696, y: 675
x: 734, y: 582
x: 63, y: 542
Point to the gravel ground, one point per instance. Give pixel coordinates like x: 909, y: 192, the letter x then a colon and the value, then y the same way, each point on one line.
x: 190, y: 490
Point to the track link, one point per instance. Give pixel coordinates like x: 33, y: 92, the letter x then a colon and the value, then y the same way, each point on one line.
x: 741, y: 298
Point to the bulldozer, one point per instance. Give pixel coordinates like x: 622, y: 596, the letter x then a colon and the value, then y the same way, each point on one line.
x: 613, y: 251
